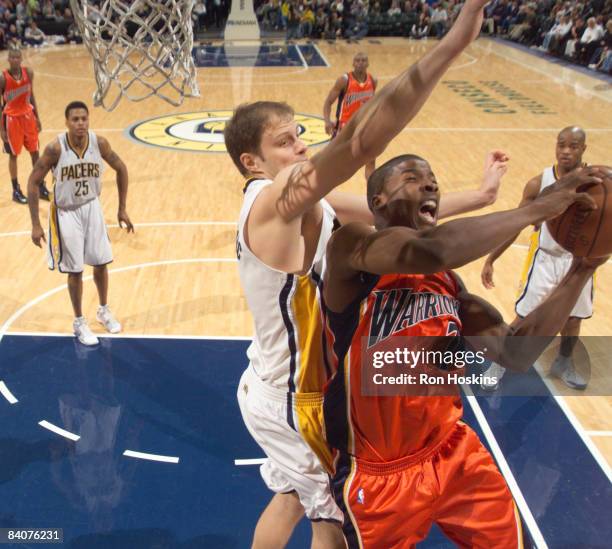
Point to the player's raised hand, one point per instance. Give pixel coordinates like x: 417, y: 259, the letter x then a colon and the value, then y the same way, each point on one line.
x: 486, y: 275
x: 555, y: 199
x: 496, y: 165
x: 38, y: 235
x: 123, y: 217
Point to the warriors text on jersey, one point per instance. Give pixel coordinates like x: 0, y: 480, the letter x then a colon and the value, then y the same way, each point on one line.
x: 383, y: 429
x: 77, y: 178
x: 354, y: 95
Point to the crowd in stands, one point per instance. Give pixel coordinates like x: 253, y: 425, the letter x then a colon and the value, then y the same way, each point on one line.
x: 578, y: 30
x: 36, y: 22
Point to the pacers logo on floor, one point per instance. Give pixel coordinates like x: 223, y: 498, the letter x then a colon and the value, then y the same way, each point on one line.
x: 203, y: 131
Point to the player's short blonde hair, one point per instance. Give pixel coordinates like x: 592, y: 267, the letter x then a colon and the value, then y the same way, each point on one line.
x: 245, y: 128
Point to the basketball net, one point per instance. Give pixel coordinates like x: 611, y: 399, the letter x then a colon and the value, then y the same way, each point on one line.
x: 140, y: 48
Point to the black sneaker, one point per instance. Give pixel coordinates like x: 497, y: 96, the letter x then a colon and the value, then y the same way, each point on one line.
x: 18, y: 196
x: 43, y: 192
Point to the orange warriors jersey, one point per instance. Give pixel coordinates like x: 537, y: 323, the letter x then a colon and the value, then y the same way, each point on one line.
x: 17, y: 93
x: 355, y: 94
x: 387, y: 428
x: 407, y: 461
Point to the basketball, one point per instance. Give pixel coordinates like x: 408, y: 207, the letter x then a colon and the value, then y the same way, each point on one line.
x: 587, y: 233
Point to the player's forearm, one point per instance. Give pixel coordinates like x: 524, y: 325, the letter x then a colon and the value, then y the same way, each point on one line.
x: 463, y: 240
x: 33, y: 200
x: 122, y: 187
x: 34, y: 106
x: 383, y: 117
x: 350, y: 208
x: 496, y: 254
x: 465, y: 201
x: 327, y: 110
x: 532, y: 334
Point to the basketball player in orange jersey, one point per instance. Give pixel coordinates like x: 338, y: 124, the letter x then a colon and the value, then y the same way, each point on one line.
x: 283, y: 228
x: 405, y: 461
x: 352, y: 90
x: 20, y: 121
x: 547, y: 263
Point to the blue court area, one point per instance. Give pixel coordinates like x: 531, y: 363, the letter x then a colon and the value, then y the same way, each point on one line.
x: 176, y: 398
x: 281, y: 55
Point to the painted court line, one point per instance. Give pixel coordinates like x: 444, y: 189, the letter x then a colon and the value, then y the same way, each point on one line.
x: 599, y: 433
x: 256, y: 461
x: 534, y: 530
x: 321, y: 55
x: 150, y: 457
x: 580, y: 430
x: 131, y: 336
x: 7, y: 394
x: 58, y: 430
x: 299, y: 52
x: 151, y: 224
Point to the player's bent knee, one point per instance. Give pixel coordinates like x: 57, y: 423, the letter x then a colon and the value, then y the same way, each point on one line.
x: 327, y: 535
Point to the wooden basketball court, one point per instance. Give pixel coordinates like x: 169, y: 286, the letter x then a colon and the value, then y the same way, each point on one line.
x: 177, y: 274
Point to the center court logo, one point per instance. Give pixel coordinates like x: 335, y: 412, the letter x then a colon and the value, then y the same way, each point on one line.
x: 203, y: 131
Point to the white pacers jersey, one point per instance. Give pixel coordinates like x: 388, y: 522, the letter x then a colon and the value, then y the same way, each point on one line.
x: 545, y: 240
x: 546, y: 265
x: 287, y: 349
x: 77, y: 179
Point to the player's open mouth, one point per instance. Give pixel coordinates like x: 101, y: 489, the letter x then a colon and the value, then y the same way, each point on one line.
x: 428, y: 211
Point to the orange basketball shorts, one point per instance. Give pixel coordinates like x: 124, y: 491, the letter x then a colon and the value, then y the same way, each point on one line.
x: 456, y: 485
x: 21, y: 131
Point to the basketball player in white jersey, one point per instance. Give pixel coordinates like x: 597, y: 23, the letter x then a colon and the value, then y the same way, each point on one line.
x: 77, y: 232
x: 283, y: 229
x: 547, y: 263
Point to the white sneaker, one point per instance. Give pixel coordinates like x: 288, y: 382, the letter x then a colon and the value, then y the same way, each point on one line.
x: 563, y: 368
x: 492, y: 377
x: 106, y: 318
x: 83, y: 332
x: 560, y: 366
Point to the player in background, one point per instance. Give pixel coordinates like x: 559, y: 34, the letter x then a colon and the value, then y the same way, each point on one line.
x: 352, y: 90
x: 77, y: 231
x: 546, y: 265
x: 407, y: 461
x: 20, y: 120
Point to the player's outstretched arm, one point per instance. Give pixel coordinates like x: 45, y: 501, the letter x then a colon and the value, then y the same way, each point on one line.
x: 518, y: 346
x: 299, y: 187
x: 357, y: 247
x: 383, y: 117
x: 496, y: 166
x: 530, y: 192
x: 332, y: 96
x: 113, y: 160
x: 48, y: 159
x: 354, y: 208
